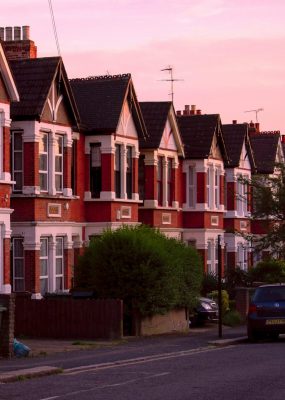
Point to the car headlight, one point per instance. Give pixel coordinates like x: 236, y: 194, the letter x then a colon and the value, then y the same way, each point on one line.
x: 206, y: 306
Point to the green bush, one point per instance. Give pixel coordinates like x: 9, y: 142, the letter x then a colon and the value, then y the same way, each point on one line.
x: 232, y: 318
x: 268, y: 271
x: 225, y: 300
x: 209, y: 283
x: 148, y: 271
x: 235, y: 277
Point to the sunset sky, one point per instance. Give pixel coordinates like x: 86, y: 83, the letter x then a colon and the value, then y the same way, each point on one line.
x: 230, y: 54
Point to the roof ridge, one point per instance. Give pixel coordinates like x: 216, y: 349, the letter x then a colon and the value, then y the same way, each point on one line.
x: 102, y: 77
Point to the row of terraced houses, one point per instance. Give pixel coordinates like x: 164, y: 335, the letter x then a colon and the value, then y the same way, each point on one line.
x: 82, y: 155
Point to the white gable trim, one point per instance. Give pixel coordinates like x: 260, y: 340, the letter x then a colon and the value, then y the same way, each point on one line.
x: 7, y: 76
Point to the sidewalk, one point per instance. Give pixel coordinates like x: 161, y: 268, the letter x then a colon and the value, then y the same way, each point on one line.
x: 41, y: 349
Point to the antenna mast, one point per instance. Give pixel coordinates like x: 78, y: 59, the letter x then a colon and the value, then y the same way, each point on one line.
x: 54, y: 27
x: 256, y: 112
x: 170, y: 70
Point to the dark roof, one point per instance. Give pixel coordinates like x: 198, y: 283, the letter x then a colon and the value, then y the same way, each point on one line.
x: 264, y: 146
x: 155, y: 117
x: 234, y: 136
x: 100, y: 100
x: 197, y: 133
x: 33, y: 79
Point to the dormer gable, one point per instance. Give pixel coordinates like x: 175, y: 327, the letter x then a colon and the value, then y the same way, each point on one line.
x: 244, y: 161
x: 215, y: 151
x: 8, y: 89
x: 126, y: 125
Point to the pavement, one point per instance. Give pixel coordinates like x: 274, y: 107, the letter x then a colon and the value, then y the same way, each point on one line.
x: 46, y: 347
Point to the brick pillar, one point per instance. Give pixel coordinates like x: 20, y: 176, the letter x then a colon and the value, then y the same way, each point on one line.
x: 201, y: 187
x: 68, y: 268
x: 108, y: 176
x: 231, y: 196
x: 31, y: 164
x: 6, y: 261
x: 150, y: 182
x: 6, y: 149
x: 67, y: 167
x: 87, y: 172
x: 7, y: 325
x: 32, y: 271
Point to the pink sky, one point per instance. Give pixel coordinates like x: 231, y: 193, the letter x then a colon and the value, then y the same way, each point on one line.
x: 230, y: 54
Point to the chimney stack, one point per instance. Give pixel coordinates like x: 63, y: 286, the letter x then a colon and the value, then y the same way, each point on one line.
x: 234, y: 121
x: 257, y: 127
x: 193, y: 110
x: 9, y: 33
x: 17, y: 48
x: 178, y: 113
x: 17, y: 33
x: 2, y: 33
x: 198, y: 112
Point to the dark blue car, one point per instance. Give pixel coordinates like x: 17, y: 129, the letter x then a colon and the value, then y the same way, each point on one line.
x: 266, y: 314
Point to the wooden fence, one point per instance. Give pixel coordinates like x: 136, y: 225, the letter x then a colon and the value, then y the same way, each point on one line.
x: 68, y: 318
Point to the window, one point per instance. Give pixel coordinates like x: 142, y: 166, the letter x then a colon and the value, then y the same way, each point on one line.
x: 159, y: 180
x: 59, y: 163
x: 118, y: 170
x: 44, y: 287
x: 217, y: 188
x: 169, y: 181
x: 95, y: 170
x: 242, y: 257
x: 208, y: 187
x: 191, y: 187
x: 59, y: 264
x: 17, y: 161
x: 209, y: 257
x: 43, y: 167
x: 141, y: 178
x: 129, y: 173
x: 18, y: 265
x: 212, y: 257
x: 241, y: 196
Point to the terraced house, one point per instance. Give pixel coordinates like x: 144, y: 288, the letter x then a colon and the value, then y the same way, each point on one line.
x: 84, y: 155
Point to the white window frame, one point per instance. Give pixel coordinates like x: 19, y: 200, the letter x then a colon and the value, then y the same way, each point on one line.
x: 59, y: 156
x: 242, y: 256
x: 44, y: 172
x: 16, y: 151
x: 208, y: 187
x: 18, y: 258
x: 45, y: 241
x: 191, y: 187
x: 60, y: 256
x: 217, y: 187
x: 212, y: 257
x: 241, y: 197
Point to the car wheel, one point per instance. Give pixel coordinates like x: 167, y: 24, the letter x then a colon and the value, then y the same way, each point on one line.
x: 252, y: 335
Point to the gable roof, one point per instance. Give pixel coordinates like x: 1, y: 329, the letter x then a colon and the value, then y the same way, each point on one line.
x: 264, y: 146
x: 235, y: 135
x: 100, y: 101
x: 7, y: 76
x: 197, y: 133
x: 34, y: 78
x: 155, y: 114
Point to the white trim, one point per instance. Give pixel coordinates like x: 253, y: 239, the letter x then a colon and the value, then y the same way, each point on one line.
x: 7, y: 76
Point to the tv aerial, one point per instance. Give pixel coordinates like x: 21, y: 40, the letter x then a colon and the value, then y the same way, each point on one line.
x: 256, y: 112
x: 171, y: 80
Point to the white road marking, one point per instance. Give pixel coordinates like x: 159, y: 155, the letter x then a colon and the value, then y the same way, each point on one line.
x: 139, y: 360
x: 50, y: 398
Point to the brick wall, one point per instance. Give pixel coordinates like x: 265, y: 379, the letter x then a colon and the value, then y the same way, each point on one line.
x: 7, y: 325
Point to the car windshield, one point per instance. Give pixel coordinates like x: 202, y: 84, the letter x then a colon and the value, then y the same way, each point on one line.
x: 270, y: 293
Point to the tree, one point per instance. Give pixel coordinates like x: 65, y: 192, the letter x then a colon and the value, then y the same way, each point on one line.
x: 268, y: 211
x: 141, y: 266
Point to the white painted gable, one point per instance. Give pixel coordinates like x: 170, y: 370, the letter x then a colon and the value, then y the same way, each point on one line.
x: 244, y: 159
x: 126, y: 125
x: 279, y: 153
x: 168, y: 140
x: 215, y: 151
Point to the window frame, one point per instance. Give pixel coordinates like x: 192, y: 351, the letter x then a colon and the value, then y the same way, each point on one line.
x: 95, y: 171
x: 159, y: 179
x: 13, y: 169
x: 17, y: 258
x: 118, y: 170
x: 129, y: 172
x: 59, y: 156
x: 45, y: 240
x: 191, y: 186
x: 169, y: 181
x: 59, y: 239
x: 44, y: 172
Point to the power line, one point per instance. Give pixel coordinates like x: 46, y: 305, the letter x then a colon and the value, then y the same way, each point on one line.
x: 54, y: 28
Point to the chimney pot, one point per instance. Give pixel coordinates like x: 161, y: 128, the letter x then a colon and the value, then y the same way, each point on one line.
x: 185, y: 112
x: 179, y: 113
x: 26, y: 32
x: 257, y: 126
x: 2, y: 33
x: 187, y: 107
x: 9, y: 33
x: 198, y: 112
x: 234, y: 121
x: 17, y: 33
x: 193, y: 110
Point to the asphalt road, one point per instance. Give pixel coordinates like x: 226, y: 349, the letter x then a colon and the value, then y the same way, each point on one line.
x: 238, y: 372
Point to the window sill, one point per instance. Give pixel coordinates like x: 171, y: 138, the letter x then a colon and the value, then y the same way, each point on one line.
x: 114, y: 201
x: 45, y: 196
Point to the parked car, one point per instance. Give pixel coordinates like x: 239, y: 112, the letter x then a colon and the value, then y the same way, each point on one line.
x: 266, y: 314
x: 206, y: 310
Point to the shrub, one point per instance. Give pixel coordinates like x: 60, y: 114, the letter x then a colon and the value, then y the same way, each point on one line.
x: 225, y: 300
x: 141, y: 266
x: 232, y: 318
x: 235, y: 277
x: 268, y: 271
x: 209, y: 283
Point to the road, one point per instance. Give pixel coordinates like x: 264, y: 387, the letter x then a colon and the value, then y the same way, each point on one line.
x: 238, y: 372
